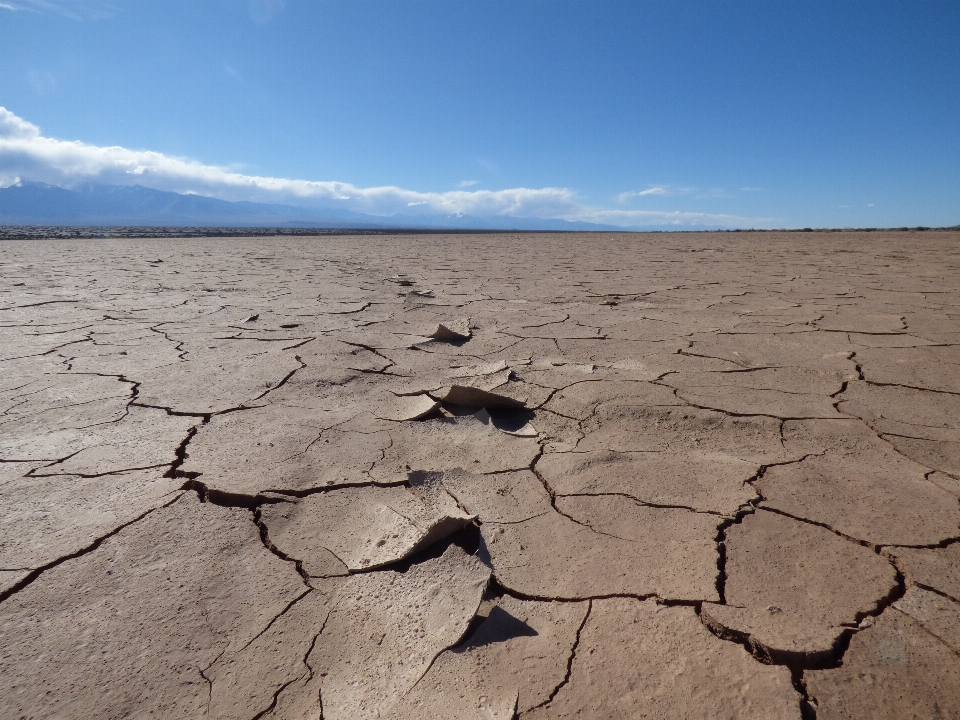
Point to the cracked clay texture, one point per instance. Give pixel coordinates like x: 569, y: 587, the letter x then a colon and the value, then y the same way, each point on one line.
x: 482, y: 477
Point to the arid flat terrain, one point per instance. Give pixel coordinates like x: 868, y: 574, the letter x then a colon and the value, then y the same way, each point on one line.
x: 481, y: 476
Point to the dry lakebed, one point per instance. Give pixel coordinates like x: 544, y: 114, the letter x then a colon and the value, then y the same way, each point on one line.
x: 491, y: 476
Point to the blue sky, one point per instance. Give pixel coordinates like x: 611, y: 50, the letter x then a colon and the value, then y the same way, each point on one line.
x: 762, y: 114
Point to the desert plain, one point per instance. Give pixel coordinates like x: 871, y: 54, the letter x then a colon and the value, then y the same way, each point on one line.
x: 701, y: 475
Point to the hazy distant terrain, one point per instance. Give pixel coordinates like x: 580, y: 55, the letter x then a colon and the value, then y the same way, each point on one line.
x: 129, y: 209
x: 34, y: 203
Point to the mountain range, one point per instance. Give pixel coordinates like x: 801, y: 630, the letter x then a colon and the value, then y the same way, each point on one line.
x: 94, y: 204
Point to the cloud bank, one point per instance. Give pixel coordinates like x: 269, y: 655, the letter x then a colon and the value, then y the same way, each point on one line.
x: 26, y: 153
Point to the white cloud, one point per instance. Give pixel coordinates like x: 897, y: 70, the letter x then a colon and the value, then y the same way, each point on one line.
x: 467, y: 183
x: 625, y: 196
x: 13, y: 127
x: 675, y: 190
x: 26, y: 153
x: 75, y: 9
x: 629, y: 218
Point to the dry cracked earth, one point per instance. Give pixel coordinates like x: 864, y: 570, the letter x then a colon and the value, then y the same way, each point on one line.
x: 481, y: 476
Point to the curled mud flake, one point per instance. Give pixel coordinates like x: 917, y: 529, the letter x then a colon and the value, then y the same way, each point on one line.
x: 527, y: 430
x: 364, y: 528
x: 388, y: 628
x: 475, y: 397
x: 511, y: 663
x: 452, y: 331
x: 409, y: 407
x: 511, y: 423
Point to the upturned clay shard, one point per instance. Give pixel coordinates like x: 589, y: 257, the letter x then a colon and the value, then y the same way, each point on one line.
x: 510, y: 664
x: 363, y: 528
x: 465, y: 395
x: 388, y: 627
x: 452, y: 331
x: 517, y: 428
x: 406, y: 407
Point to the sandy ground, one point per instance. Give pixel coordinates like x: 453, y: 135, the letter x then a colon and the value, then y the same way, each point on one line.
x: 491, y: 476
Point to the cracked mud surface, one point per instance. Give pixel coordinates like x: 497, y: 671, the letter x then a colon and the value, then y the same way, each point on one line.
x: 491, y: 477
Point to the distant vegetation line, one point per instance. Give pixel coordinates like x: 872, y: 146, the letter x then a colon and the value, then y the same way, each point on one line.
x: 39, y: 232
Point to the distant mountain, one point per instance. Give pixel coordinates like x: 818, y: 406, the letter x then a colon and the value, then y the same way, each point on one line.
x: 34, y: 203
